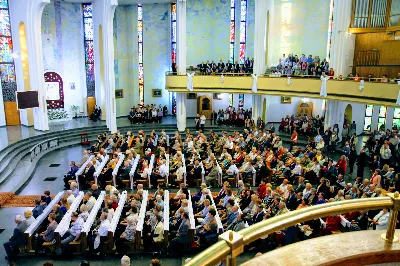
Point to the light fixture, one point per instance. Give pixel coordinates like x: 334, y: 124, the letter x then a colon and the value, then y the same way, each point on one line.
x: 305, y: 100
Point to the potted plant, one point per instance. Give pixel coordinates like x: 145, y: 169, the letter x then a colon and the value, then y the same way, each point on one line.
x: 75, y: 110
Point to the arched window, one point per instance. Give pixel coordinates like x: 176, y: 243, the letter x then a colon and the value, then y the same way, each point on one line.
x: 382, y: 116
x: 369, y: 110
x: 89, y: 50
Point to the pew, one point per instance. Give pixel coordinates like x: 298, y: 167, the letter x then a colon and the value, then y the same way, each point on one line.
x: 184, y: 168
x: 166, y: 218
x: 219, y: 223
x: 35, y: 226
x: 192, y: 231
x: 63, y: 226
x: 167, y: 163
x: 151, y: 164
x: 115, y: 219
x: 142, y: 216
x: 82, y: 168
x: 121, y: 158
x: 100, y: 168
x: 90, y: 220
x: 133, y: 170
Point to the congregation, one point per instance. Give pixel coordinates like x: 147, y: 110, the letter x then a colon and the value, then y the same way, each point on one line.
x: 259, y: 178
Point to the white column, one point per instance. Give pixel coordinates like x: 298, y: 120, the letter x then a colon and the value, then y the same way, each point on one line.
x: 103, y: 14
x: 342, y: 50
x: 181, y: 111
x: 260, y: 47
x: 181, y: 36
x: 2, y: 114
x: 30, y: 12
x: 334, y: 114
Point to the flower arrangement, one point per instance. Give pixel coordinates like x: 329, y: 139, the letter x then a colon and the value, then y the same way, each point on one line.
x: 75, y: 109
x: 54, y: 114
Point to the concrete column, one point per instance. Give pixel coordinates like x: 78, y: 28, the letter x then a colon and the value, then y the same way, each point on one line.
x: 29, y: 12
x: 181, y: 111
x: 103, y: 14
x: 263, y: 13
x: 342, y: 50
x: 181, y: 37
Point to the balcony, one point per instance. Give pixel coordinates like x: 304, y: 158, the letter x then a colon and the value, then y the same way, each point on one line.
x: 374, y: 92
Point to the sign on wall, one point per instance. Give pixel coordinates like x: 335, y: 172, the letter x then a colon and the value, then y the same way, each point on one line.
x: 52, y: 91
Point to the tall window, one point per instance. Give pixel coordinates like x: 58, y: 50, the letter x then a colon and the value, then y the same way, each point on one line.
x: 89, y: 51
x: 369, y: 110
x: 7, y: 68
x: 173, y: 50
x: 241, y: 100
x: 140, y: 54
x: 232, y: 34
x: 329, y: 44
x: 382, y: 116
x: 396, y: 117
x: 243, y: 13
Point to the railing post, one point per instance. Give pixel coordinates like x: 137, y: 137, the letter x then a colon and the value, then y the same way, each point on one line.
x: 389, y: 235
x: 235, y: 243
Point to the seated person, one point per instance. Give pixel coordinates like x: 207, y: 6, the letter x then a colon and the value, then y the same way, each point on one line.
x: 48, y: 235
x: 209, y: 228
x: 100, y: 235
x: 29, y: 219
x: 15, y: 241
x: 182, y: 236
x: 73, y: 234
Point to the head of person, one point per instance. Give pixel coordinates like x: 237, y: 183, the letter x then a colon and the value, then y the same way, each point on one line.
x: 125, y: 261
x: 28, y: 214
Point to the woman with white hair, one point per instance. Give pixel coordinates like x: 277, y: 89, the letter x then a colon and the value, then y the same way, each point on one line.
x: 74, y: 189
x: 125, y: 261
x: 159, y: 202
x: 127, y: 236
x: 70, y: 197
x: 84, y: 212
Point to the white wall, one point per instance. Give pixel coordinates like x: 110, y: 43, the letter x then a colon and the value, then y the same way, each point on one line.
x: 277, y: 110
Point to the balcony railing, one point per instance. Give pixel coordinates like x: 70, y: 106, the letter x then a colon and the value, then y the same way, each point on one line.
x: 232, y: 244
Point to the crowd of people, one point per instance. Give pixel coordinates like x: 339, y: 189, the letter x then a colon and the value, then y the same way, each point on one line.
x: 147, y: 114
x: 285, y: 179
x: 212, y: 68
x: 309, y: 66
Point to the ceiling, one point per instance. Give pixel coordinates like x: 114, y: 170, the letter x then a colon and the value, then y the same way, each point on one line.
x: 126, y: 2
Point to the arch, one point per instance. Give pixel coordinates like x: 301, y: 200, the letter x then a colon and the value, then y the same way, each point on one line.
x: 305, y: 107
x: 204, y: 105
x: 348, y: 114
x: 264, y: 111
x: 54, y: 81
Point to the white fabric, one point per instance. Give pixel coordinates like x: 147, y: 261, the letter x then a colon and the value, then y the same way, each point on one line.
x: 289, y: 81
x: 361, y: 85
x: 190, y: 81
x: 222, y: 78
x: 323, y: 92
x: 260, y: 34
x: 254, y: 86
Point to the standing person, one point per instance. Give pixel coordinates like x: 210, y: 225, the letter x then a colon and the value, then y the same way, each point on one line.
x: 345, y: 135
x: 202, y: 122
x: 361, y: 162
x: 212, y: 117
x: 352, y: 159
x: 293, y: 139
x: 354, y: 128
x: 197, y: 121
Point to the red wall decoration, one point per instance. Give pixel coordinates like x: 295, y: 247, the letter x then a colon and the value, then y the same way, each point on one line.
x: 54, y: 77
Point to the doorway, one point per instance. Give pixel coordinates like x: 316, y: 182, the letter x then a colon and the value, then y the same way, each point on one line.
x: 348, y: 115
x: 264, y: 110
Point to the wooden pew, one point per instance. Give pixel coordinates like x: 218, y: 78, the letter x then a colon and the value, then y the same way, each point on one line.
x: 63, y: 226
x: 121, y: 158
x: 90, y: 220
x: 184, y: 168
x: 167, y: 163
x: 82, y: 168
x: 100, y: 168
x: 35, y: 226
x: 219, y: 223
x: 115, y: 220
x: 133, y: 170
x: 166, y: 218
x: 142, y: 215
x: 192, y: 231
x: 151, y: 165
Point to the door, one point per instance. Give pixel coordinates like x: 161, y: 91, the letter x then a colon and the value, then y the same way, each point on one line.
x: 91, y: 103
x: 11, y: 113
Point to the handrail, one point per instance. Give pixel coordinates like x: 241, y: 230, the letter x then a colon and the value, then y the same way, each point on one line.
x: 231, y: 244
x: 43, y: 146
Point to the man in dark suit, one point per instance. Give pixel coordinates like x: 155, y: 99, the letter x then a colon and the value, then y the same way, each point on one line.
x: 182, y: 236
x: 16, y: 240
x: 221, y: 64
x: 95, y: 191
x: 124, y: 145
x: 247, y: 63
x: 124, y: 172
x: 229, y: 66
x: 87, y: 176
x: 259, y: 216
x: 132, y: 116
x: 237, y: 67
x: 232, y: 216
x: 194, y: 173
x: 291, y: 201
x: 71, y: 174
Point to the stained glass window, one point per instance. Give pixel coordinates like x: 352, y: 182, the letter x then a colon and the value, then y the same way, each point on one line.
x: 396, y: 118
x: 369, y: 110
x: 140, y: 54
x: 7, y: 68
x: 232, y: 33
x: 241, y: 100
x: 89, y: 50
x: 243, y: 13
x: 382, y: 117
x: 230, y: 99
x: 329, y: 44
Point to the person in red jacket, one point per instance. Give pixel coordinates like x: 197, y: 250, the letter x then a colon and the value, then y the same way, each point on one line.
x: 262, y: 189
x: 332, y: 224
x: 341, y: 165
